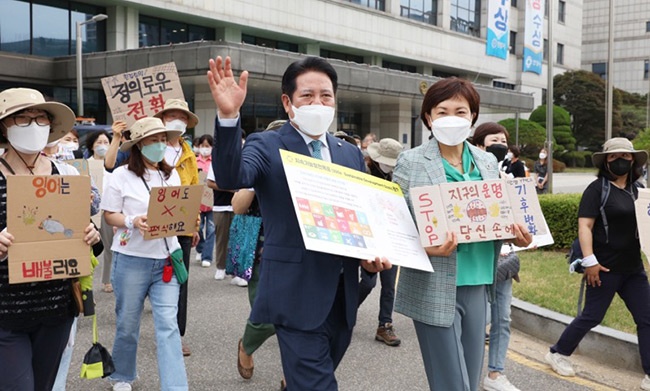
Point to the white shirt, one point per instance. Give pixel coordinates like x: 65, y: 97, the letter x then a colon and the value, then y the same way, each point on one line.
x: 127, y: 194
x: 217, y: 208
x: 173, y: 154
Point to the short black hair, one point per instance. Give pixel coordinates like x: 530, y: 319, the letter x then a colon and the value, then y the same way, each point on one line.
x: 307, y: 64
x: 205, y: 137
x: 93, y: 137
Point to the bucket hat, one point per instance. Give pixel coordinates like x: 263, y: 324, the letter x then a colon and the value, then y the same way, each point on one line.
x: 619, y: 145
x: 146, y: 127
x: 13, y: 100
x: 179, y: 104
x: 385, y: 151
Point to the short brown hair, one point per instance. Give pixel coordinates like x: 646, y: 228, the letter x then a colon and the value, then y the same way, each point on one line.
x: 487, y: 129
x: 450, y: 88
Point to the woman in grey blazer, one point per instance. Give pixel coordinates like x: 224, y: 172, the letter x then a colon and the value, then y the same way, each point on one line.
x: 448, y: 306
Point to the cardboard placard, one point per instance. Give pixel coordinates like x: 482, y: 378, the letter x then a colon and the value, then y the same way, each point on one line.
x: 173, y: 211
x: 45, y: 216
x: 642, y: 210
x: 141, y: 93
x: 476, y: 210
x: 80, y: 164
x: 207, y: 197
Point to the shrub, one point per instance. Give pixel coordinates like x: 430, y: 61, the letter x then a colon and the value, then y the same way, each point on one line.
x: 561, y: 213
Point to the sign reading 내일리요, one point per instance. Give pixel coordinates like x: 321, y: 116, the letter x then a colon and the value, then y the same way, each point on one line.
x: 47, y: 222
x: 141, y: 93
x: 476, y: 211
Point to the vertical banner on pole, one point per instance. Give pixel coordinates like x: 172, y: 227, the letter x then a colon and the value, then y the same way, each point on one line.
x: 498, y: 30
x: 534, y: 37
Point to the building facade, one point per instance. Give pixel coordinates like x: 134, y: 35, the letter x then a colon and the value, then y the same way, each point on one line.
x: 631, y: 68
x: 387, y: 52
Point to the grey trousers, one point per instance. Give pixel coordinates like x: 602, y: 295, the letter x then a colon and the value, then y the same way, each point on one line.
x: 106, y: 232
x: 453, y: 356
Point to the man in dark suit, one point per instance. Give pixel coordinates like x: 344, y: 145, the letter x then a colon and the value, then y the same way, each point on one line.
x: 310, y: 297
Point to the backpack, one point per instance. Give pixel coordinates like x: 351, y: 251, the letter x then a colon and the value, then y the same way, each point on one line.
x: 575, y: 252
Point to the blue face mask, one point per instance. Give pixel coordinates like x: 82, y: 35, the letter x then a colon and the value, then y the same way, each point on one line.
x: 154, y: 152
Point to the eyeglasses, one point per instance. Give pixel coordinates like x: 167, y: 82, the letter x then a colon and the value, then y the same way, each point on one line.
x: 25, y: 120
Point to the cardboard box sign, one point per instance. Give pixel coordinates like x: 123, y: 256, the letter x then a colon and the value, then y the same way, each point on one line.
x: 47, y: 216
x: 141, y: 93
x: 173, y: 211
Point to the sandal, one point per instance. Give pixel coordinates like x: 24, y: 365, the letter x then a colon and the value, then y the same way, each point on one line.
x: 108, y: 288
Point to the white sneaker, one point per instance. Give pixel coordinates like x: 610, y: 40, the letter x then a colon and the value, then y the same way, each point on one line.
x: 501, y: 383
x: 239, y: 281
x: 560, y: 364
x: 121, y: 386
x: 198, y: 257
x: 220, y: 274
x: 645, y: 383
x: 205, y: 264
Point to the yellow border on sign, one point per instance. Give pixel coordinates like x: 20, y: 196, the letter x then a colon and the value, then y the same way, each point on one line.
x: 337, y: 171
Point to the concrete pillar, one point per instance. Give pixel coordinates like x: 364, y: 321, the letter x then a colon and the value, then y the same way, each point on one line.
x: 312, y: 49
x: 228, y: 34
x: 122, y: 28
x: 392, y: 120
x: 393, y: 7
x: 373, y: 60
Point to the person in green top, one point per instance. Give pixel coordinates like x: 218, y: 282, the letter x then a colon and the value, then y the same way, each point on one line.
x: 448, y: 306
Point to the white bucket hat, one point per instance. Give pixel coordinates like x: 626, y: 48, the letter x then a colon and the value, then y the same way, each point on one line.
x: 179, y: 104
x: 13, y: 100
x: 145, y: 127
x: 385, y: 151
x: 619, y: 145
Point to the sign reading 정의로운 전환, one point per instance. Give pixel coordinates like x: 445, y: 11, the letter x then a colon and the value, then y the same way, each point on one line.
x: 46, y: 218
x: 476, y: 210
x: 173, y: 211
x: 350, y: 213
x: 141, y: 93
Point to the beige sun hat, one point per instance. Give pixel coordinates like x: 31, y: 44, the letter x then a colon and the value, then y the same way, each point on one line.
x: 619, y: 145
x: 13, y: 100
x: 145, y: 127
x: 179, y: 104
x: 385, y: 151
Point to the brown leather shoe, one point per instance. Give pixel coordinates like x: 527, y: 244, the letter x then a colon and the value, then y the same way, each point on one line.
x: 244, y: 372
x: 386, y: 334
x: 186, y: 350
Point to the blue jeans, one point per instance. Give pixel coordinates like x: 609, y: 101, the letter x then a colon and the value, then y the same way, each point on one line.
x: 206, y: 242
x: 134, y: 279
x: 500, y: 326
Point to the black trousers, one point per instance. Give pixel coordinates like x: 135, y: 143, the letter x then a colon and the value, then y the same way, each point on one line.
x: 186, y: 246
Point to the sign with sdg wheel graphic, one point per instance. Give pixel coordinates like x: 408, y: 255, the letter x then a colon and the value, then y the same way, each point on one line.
x: 346, y: 212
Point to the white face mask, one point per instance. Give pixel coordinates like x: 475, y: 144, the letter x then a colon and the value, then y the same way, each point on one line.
x: 509, y: 156
x: 101, y: 150
x: 29, y: 139
x: 68, y: 147
x: 176, y: 124
x: 195, y: 150
x: 205, y: 151
x: 542, y: 155
x: 52, y: 144
x: 313, y: 120
x: 385, y: 168
x: 451, y: 130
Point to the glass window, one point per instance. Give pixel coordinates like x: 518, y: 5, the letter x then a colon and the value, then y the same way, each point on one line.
x: 504, y: 85
x: 513, y: 42
x: 545, y: 49
x: 647, y: 26
x: 148, y: 31
x: 14, y: 26
x: 376, y: 4
x: 269, y: 43
x: 420, y: 10
x: 561, y: 11
x: 172, y: 32
x: 466, y: 17
x: 399, y: 66
x: 513, y: 3
x: 600, y: 68
x: 560, y: 53
x: 646, y: 69
x: 198, y: 33
x: 50, y: 30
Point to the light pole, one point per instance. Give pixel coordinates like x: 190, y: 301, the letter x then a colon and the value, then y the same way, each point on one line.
x: 609, y: 110
x: 80, y: 88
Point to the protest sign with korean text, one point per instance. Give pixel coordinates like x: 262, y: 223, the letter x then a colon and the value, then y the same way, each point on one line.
x: 207, y: 197
x: 47, y: 216
x: 173, y: 211
x: 476, y: 210
x: 141, y: 93
x: 350, y: 213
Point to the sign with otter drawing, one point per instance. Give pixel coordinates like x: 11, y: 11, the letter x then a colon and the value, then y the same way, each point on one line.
x: 476, y: 210
x: 47, y: 216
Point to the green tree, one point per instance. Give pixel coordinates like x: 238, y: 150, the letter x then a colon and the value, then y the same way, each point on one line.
x: 532, y: 135
x: 561, y: 128
x: 582, y: 94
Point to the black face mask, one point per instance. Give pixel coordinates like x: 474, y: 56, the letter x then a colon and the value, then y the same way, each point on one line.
x: 498, y: 150
x: 620, y: 166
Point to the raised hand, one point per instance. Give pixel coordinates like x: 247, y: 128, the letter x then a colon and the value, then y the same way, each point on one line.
x: 228, y: 95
